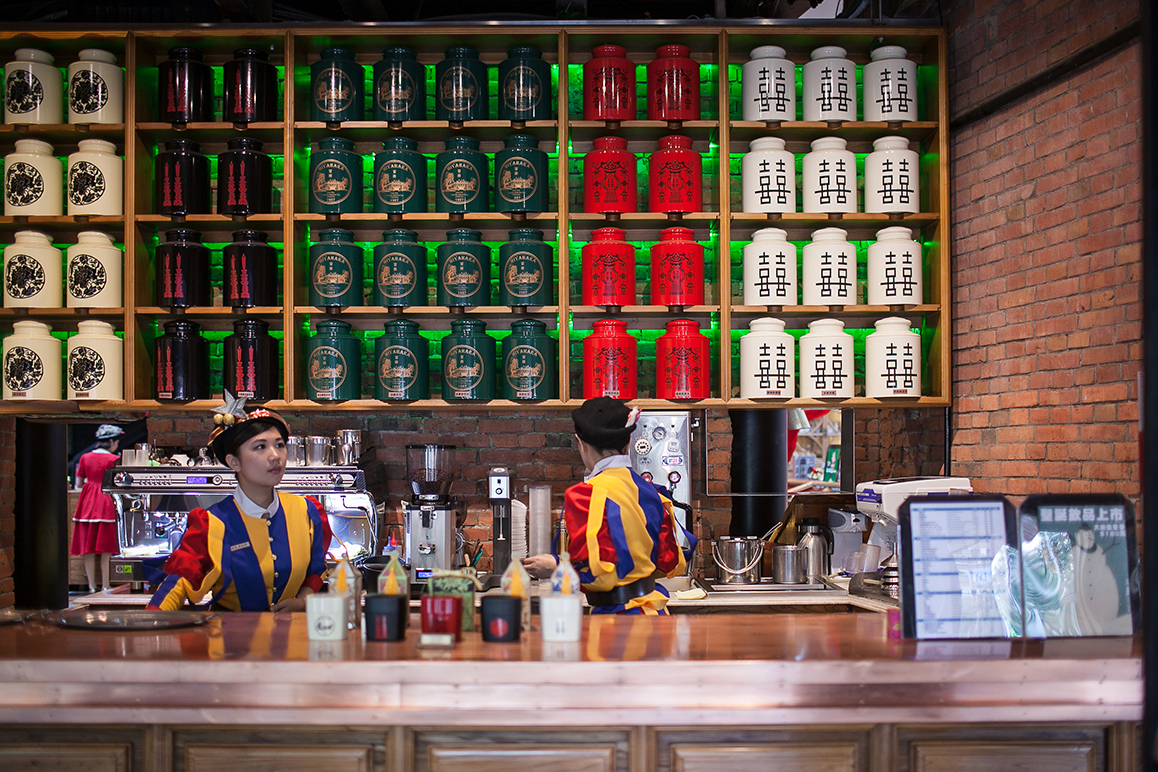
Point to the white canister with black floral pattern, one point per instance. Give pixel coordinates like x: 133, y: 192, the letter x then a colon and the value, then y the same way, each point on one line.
x: 94, y: 367
x: 92, y: 277
x: 96, y: 88
x: 95, y: 173
x: 32, y: 362
x: 33, y: 179
x: 33, y: 88
x: 33, y: 272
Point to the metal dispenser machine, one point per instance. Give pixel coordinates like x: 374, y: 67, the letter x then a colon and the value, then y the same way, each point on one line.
x: 499, y: 493
x: 661, y: 452
x: 429, y: 513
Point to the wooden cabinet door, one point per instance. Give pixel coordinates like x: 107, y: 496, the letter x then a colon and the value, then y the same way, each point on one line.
x: 1006, y: 756
x: 788, y: 757
x: 524, y: 758
x: 282, y: 758
x: 65, y: 758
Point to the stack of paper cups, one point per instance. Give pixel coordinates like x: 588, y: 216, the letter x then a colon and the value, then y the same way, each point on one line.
x: 518, y: 530
x: 540, y: 532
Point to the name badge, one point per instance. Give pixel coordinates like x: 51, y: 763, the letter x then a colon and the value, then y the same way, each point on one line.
x: 237, y: 547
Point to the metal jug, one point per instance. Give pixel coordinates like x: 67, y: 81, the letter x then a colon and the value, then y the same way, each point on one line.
x: 817, y: 541
x: 295, y: 451
x: 738, y: 559
x: 348, y: 447
x: 319, y: 451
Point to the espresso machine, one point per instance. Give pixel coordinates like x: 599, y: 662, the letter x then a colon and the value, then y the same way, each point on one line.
x: 429, y: 514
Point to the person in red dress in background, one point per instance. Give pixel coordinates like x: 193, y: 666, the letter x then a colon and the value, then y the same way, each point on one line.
x: 95, y: 529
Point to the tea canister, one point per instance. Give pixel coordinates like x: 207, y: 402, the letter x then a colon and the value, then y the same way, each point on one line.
x: 768, y: 86
x: 462, y: 177
x: 399, y: 86
x: 521, y: 183
x: 673, y: 85
x: 95, y: 363
x: 770, y: 269
x: 249, y: 271
x: 333, y: 362
x: 524, y: 86
x: 829, y: 177
x: 402, y: 359
x: 895, y: 269
x: 677, y: 269
x: 182, y: 179
x: 32, y: 180
x: 529, y: 362
x: 33, y: 89
x: 251, y: 361
x: 609, y: 177
x: 92, y: 277
x: 826, y: 361
x: 336, y: 264
x: 464, y: 269
x: 463, y: 87
x: 95, y: 173
x: 335, y: 177
x: 892, y: 360
x: 185, y: 85
x: 244, y: 178
x: 468, y: 362
x: 892, y: 178
x: 400, y: 177
x: 182, y: 270
x: 250, y: 86
x: 675, y: 177
x: 181, y: 363
x: 32, y: 362
x: 609, y: 86
x: 767, y: 361
x: 526, y: 264
x: 33, y: 272
x: 400, y: 270
x: 96, y: 88
x: 829, y: 86
x: 890, y: 86
x: 682, y: 362
x: 608, y: 269
x: 768, y: 177
x: 338, y: 81
x: 828, y: 269
x: 609, y: 361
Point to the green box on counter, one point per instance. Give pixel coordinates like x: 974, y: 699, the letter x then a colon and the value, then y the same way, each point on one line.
x: 462, y: 582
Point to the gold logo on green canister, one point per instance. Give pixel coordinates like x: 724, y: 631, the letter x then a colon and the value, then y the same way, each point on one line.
x: 517, y: 180
x: 332, y: 182
x: 397, y: 370
x: 463, y: 369
x: 396, y: 275
x: 458, y: 90
x: 526, y: 370
x: 332, y: 274
x: 396, y: 90
x: 523, y: 89
x: 460, y: 182
x: 462, y: 274
x: 395, y: 184
x: 326, y: 370
x: 523, y: 274
x: 333, y: 90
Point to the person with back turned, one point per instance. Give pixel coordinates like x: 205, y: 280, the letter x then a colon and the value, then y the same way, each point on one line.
x: 619, y: 529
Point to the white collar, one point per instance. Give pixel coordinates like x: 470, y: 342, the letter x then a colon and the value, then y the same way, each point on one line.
x: 252, y: 509
x: 619, y: 461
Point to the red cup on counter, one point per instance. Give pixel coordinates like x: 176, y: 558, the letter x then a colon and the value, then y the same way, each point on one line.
x: 442, y: 614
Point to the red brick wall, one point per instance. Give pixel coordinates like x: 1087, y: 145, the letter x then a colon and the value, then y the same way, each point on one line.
x: 7, y: 515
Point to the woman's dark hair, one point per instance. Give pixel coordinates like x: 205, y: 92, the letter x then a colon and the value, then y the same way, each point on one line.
x: 228, y: 442
x: 104, y: 444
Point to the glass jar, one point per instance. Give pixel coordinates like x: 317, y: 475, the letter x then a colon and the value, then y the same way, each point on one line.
x: 608, y: 269
x: 609, y: 361
x: 250, y: 82
x: 182, y: 179
x: 675, y: 177
x: 464, y: 269
x: 829, y: 177
x: 895, y: 269
x: 529, y: 362
x: 463, y: 87
x: 185, y: 87
x: 399, y: 86
x: 338, y: 82
x: 609, y: 86
x: 95, y: 174
x: 32, y: 272
x: 93, y: 274
x: 609, y: 177
x: 767, y: 361
x: 768, y: 177
x: 182, y: 270
x: 829, y: 86
x: 521, y: 181
x: 32, y: 362
x: 95, y: 363
x: 251, y: 361
x: 400, y: 270
x: 336, y: 267
x: 892, y: 178
x: 828, y: 269
x: 244, y: 179
x: 768, y: 86
x: 403, y: 361
x: 463, y: 177
x: 249, y: 271
x: 335, y: 177
x: 32, y: 88
x: 400, y: 178
x: 677, y: 269
x: 333, y: 363
x: 524, y: 86
x: 468, y: 362
x: 826, y: 361
x: 892, y: 360
x: 770, y: 269
x: 527, y: 275
x: 32, y: 180
x: 673, y: 85
x: 96, y: 88
x: 890, y: 86
x: 181, y: 363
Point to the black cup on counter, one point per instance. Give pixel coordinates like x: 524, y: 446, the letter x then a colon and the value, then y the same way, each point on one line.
x: 387, y: 617
x: 501, y: 615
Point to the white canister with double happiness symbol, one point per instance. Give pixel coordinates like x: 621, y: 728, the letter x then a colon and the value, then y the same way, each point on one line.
x: 32, y: 272
x: 768, y: 177
x: 96, y: 88
x: 829, y: 86
x: 92, y: 276
x: 892, y: 175
x: 895, y: 273
x: 32, y: 359
x: 826, y: 361
x: 768, y: 86
x: 828, y: 269
x: 32, y: 180
x: 770, y: 269
x: 32, y: 88
x: 890, y: 86
x: 94, y: 366
x: 892, y: 360
x: 829, y: 173
x: 767, y: 361
x: 95, y: 173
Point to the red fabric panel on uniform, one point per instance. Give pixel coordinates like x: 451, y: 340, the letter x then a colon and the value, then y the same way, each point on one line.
x: 191, y: 559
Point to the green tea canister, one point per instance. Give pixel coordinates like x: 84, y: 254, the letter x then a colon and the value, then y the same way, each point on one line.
x: 529, y: 362
x: 336, y: 269
x: 337, y: 84
x: 333, y: 362
x: 468, y: 362
x: 402, y: 363
x: 400, y: 270
x: 462, y: 177
x: 464, y: 269
x: 399, y: 177
x: 335, y: 177
x: 521, y: 176
x: 463, y: 87
x: 399, y: 86
x: 526, y: 265
x: 524, y: 86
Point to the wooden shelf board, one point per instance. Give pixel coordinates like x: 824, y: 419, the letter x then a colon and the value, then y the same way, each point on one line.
x: 426, y: 131
x: 487, y: 124
x: 386, y: 313
x: 66, y: 221
x: 441, y: 217
x: 205, y: 311
x: 104, y: 314
x: 210, y: 125
x: 210, y: 218
x: 62, y: 133
x: 797, y: 218
x: 644, y: 124
x: 634, y: 217
x: 843, y: 310
x: 601, y: 311
x: 269, y: 132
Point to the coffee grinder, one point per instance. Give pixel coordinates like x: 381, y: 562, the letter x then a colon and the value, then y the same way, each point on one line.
x: 429, y: 513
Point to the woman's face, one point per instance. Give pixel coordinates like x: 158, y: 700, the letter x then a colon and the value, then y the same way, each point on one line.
x: 260, y: 460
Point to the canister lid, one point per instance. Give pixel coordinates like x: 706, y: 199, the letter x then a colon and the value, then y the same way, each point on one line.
x: 767, y: 143
x: 528, y: 327
x: 251, y: 53
x: 250, y: 327
x: 33, y: 146
x: 524, y: 52
x: 335, y: 234
x: 399, y: 52
x: 672, y: 50
x: 830, y: 234
x: 828, y: 52
x: 614, y: 143
x: 94, y: 328
x: 827, y: 326
x: 468, y: 325
x: 33, y: 237
x: 95, y: 237
x: 459, y: 142
x: 34, y: 328
x: 683, y: 326
x: 344, y: 54
x: 767, y: 52
x: 608, y: 234
x: 461, y: 52
x: 525, y: 234
x: 675, y: 141
x: 463, y: 234
x: 608, y: 51
x: 250, y: 234
x: 182, y: 328
x: 894, y: 324
x: 185, y: 53
x: 401, y: 327
x: 606, y: 326
x: 333, y: 328
x: 890, y: 143
x: 520, y: 140
x: 245, y: 143
x: 400, y: 234
x: 676, y: 234
x: 829, y: 143
x: 185, y: 145
x: 397, y: 143
x: 97, y: 55
x: 766, y: 324
x: 888, y: 52
x: 335, y: 143
x: 97, y: 146
x: 34, y: 55
x: 895, y: 233
x: 183, y: 234
x: 770, y: 234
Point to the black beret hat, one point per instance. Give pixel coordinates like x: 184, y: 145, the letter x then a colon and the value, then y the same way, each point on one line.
x: 604, y: 423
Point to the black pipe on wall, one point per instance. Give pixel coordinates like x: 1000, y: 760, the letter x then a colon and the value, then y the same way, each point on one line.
x: 41, y: 566
x: 759, y: 465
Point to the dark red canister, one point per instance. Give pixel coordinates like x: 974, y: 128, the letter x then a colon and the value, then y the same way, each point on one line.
x: 675, y: 175
x: 609, y: 85
x: 677, y: 269
x: 609, y: 178
x: 608, y: 269
x: 609, y: 361
x: 673, y: 85
x: 682, y: 362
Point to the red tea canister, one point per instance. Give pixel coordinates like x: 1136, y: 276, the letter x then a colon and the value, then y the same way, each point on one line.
x: 673, y: 85
x: 682, y: 357
x: 675, y: 177
x: 677, y: 269
x: 609, y: 361
x: 608, y: 269
x: 609, y: 85
x: 609, y: 178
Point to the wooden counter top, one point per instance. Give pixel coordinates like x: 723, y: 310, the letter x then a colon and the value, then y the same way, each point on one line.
x: 627, y: 671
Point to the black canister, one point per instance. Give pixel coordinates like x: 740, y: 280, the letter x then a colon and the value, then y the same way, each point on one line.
x: 402, y: 358
x: 182, y: 270
x: 251, y: 361
x: 181, y: 359
x: 249, y: 271
x: 463, y: 87
x: 336, y: 93
x: 336, y: 269
x: 468, y: 361
x: 399, y: 86
x: 399, y: 177
x: 521, y: 176
x: 244, y: 179
x: 527, y: 275
x: 400, y: 270
x: 250, y: 87
x: 333, y: 362
x: 524, y: 86
x: 462, y: 177
x: 335, y: 177
x: 529, y: 362
x: 464, y: 269
x: 182, y: 179
x: 185, y: 87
